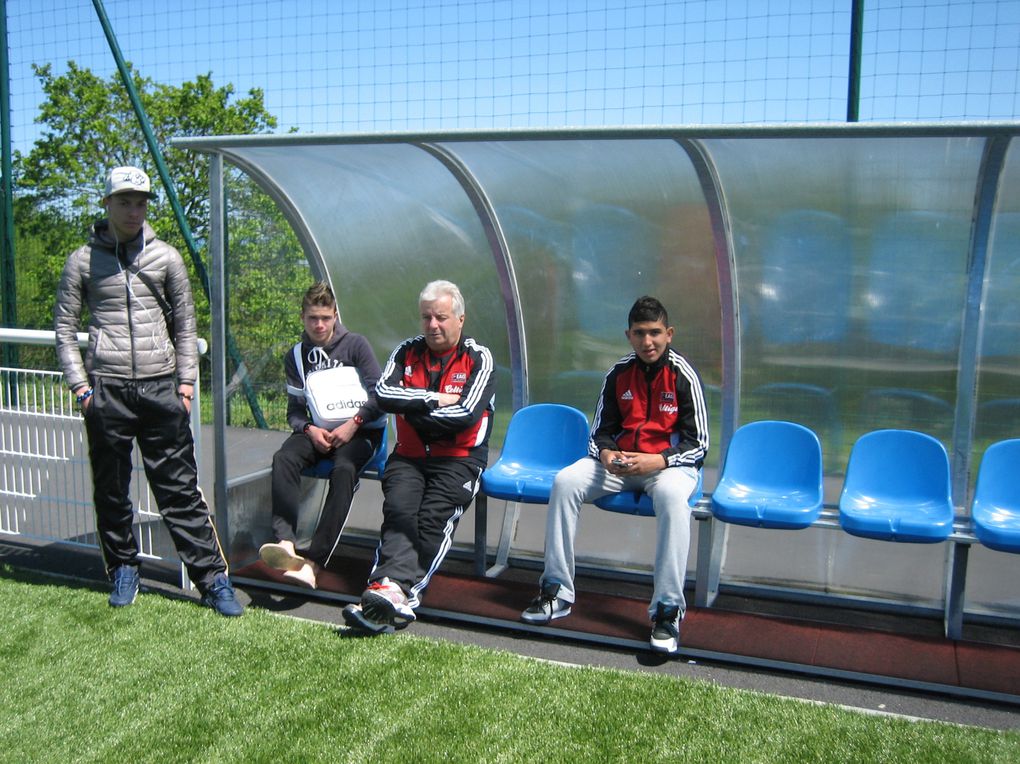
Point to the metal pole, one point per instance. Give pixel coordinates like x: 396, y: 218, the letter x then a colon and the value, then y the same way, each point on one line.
x: 853, y: 96
x: 154, y: 149
x: 219, y: 360
x: 7, y: 270
x: 171, y: 192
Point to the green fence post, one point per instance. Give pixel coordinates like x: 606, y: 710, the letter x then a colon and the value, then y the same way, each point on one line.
x: 171, y: 191
x: 7, y: 270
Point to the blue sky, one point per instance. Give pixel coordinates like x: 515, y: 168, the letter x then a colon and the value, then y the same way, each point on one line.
x: 383, y: 65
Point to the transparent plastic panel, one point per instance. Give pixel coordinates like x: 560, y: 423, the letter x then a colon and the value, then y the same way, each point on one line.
x: 851, y: 272
x: 591, y: 226
x: 387, y: 219
x: 991, y: 575
x: 998, y: 412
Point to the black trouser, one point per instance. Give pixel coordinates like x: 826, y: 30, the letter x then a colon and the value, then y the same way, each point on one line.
x: 296, y: 453
x: 423, y: 500
x: 151, y: 412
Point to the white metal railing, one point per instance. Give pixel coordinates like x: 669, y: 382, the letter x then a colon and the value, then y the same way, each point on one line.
x: 45, y: 477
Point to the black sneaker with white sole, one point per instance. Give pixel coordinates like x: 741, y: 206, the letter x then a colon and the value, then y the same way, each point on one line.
x: 546, y: 606
x: 355, y: 617
x: 666, y: 629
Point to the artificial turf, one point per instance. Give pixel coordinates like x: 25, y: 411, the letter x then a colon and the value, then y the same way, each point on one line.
x: 168, y: 681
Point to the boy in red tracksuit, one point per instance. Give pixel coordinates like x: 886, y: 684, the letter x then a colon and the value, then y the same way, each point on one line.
x: 440, y: 385
x: 650, y: 433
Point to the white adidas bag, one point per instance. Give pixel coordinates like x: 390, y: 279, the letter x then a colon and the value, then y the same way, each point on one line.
x: 333, y: 395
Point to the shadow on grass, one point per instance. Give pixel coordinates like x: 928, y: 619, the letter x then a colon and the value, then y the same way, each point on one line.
x: 274, y: 601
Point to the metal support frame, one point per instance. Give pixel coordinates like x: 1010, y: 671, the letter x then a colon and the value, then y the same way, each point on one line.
x: 504, y: 263
x: 957, y: 555
x: 219, y: 332
x: 712, y: 536
x: 853, y: 96
x: 511, y: 514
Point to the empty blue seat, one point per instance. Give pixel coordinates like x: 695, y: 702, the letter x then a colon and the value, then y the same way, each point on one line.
x: 373, y: 468
x: 897, y: 488
x: 541, y: 439
x: 639, y: 502
x: 996, y: 508
x: 772, y: 477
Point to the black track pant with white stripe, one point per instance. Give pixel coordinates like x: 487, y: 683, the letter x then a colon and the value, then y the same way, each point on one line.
x: 149, y: 411
x: 423, y: 500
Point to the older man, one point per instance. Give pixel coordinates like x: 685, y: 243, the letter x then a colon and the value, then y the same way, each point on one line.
x: 440, y: 385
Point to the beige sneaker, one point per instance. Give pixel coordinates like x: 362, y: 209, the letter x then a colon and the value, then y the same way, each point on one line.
x: 304, y: 576
x: 281, y: 555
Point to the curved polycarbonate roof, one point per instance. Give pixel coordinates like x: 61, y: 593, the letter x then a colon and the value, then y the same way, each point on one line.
x: 853, y: 270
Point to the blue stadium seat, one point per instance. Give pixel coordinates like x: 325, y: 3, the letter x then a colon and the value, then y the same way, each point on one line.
x: 996, y: 508
x: 897, y: 488
x: 772, y: 477
x: 639, y: 502
x: 372, y: 469
x: 540, y: 440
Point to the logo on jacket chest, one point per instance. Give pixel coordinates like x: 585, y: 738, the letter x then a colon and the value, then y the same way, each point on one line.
x: 456, y: 383
x: 667, y: 402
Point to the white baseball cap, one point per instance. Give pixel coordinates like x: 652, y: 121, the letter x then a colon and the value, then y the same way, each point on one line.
x: 123, y: 179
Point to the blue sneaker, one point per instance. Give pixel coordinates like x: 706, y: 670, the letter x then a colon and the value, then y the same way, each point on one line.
x: 220, y: 597
x: 125, y: 586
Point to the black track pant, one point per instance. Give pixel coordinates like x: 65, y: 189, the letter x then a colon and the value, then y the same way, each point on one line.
x: 296, y: 453
x: 151, y: 412
x: 423, y: 500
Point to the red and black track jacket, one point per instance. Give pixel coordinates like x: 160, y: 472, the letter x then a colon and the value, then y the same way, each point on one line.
x: 657, y: 409
x: 410, y: 386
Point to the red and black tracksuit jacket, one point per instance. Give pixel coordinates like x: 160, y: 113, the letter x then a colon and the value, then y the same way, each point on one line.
x: 657, y: 409
x: 410, y: 386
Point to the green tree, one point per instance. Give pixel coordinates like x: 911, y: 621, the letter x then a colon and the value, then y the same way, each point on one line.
x: 89, y: 126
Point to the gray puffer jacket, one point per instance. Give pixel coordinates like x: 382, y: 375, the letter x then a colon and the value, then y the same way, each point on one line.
x: 127, y: 332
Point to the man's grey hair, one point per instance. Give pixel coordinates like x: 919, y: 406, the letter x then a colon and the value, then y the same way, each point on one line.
x: 436, y: 289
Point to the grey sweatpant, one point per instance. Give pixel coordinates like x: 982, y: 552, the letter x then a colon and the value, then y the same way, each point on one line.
x: 586, y: 480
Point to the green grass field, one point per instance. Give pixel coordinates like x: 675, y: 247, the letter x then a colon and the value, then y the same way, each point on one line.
x: 168, y: 681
